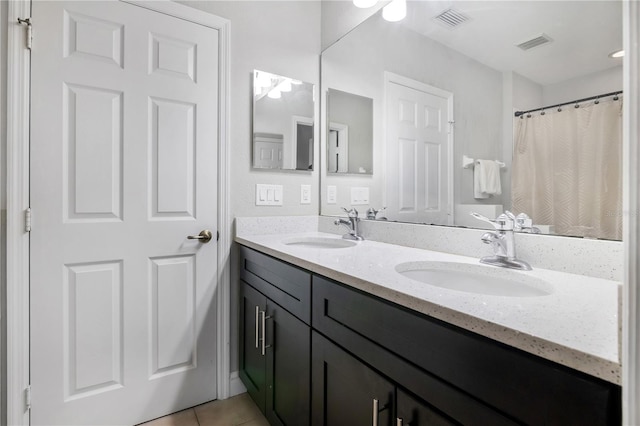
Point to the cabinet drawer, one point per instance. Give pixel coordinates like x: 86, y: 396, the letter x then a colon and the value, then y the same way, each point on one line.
x: 526, y: 388
x: 287, y: 285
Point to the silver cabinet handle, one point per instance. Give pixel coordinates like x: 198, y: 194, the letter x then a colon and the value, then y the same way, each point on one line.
x: 398, y: 421
x: 376, y: 406
x: 204, y: 236
x: 265, y: 317
x: 257, y: 326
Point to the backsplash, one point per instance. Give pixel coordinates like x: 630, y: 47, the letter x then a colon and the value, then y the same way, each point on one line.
x: 595, y: 258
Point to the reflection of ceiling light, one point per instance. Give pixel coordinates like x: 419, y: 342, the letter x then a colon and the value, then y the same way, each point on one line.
x: 395, y: 11
x: 364, y: 3
x: 617, y: 54
x: 263, y: 79
x: 275, y: 94
x: 296, y: 82
x: 285, y: 86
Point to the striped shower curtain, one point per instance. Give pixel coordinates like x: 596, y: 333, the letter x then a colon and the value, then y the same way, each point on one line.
x: 567, y: 169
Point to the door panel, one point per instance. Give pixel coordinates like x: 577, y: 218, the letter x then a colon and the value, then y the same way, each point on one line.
x: 344, y: 389
x: 414, y: 412
x: 173, y: 343
x: 124, y: 132
x: 288, y: 368
x: 252, y: 362
x: 92, y: 328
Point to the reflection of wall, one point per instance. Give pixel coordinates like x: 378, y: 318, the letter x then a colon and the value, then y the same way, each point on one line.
x: 276, y: 116
x: 357, y: 63
x: 356, y: 113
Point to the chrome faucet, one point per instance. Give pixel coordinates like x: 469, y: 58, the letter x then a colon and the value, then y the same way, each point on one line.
x: 351, y: 224
x: 502, y: 241
x: 523, y: 223
x: 372, y: 214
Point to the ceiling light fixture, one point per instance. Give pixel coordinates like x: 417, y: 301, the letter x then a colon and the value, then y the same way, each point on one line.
x: 363, y: 4
x: 617, y: 54
x: 395, y: 11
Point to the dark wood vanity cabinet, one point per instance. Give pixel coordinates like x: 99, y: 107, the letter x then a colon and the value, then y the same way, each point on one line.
x: 468, y: 378
x: 275, y: 344
x: 421, y: 371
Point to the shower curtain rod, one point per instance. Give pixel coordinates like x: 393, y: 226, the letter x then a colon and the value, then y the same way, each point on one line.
x: 519, y: 113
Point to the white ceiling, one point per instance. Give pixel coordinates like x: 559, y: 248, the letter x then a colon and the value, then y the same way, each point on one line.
x: 583, y: 33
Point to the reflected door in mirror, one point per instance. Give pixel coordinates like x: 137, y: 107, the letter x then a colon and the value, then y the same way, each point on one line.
x: 418, y: 163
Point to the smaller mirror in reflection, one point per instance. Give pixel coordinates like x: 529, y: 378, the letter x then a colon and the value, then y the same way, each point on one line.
x: 283, y: 136
x: 350, y: 133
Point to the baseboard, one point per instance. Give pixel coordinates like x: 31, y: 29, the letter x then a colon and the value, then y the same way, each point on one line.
x: 235, y: 385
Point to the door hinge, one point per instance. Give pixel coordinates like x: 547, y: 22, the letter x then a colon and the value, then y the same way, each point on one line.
x: 27, y: 23
x: 27, y: 398
x: 27, y: 220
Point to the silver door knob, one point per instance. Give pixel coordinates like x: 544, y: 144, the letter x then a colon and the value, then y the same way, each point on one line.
x: 204, y: 236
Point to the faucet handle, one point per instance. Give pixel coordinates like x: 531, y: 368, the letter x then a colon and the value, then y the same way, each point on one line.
x: 351, y: 213
x: 510, y: 215
x: 501, y: 223
x: 482, y: 218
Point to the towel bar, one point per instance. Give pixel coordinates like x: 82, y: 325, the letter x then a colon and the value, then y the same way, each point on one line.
x: 468, y: 163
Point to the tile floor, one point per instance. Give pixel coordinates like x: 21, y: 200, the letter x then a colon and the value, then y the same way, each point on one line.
x: 239, y: 410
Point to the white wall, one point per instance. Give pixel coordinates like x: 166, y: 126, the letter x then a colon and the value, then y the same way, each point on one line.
x: 527, y: 94
x: 356, y: 64
x: 280, y: 37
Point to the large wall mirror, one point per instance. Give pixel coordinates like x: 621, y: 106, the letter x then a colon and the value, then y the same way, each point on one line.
x: 283, y: 108
x: 445, y: 84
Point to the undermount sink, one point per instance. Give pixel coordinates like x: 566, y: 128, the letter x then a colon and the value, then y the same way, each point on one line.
x: 319, y: 242
x: 477, y: 279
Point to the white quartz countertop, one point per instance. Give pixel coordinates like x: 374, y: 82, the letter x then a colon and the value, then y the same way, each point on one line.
x: 576, y: 326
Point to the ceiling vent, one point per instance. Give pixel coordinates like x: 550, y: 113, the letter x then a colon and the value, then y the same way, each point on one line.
x: 452, y: 18
x: 535, y: 42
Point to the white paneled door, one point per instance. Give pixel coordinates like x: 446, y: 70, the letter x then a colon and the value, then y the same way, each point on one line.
x: 419, y: 150
x: 123, y: 168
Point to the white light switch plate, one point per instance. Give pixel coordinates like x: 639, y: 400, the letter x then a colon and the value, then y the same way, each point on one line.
x: 268, y: 195
x: 305, y: 194
x: 359, y: 196
x: 332, y: 194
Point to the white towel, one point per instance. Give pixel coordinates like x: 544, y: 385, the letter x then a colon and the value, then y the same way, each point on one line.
x: 486, y: 179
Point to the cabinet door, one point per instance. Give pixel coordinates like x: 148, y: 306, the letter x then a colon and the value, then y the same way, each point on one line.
x: 252, y: 362
x: 412, y: 411
x: 288, y: 368
x: 345, y: 391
